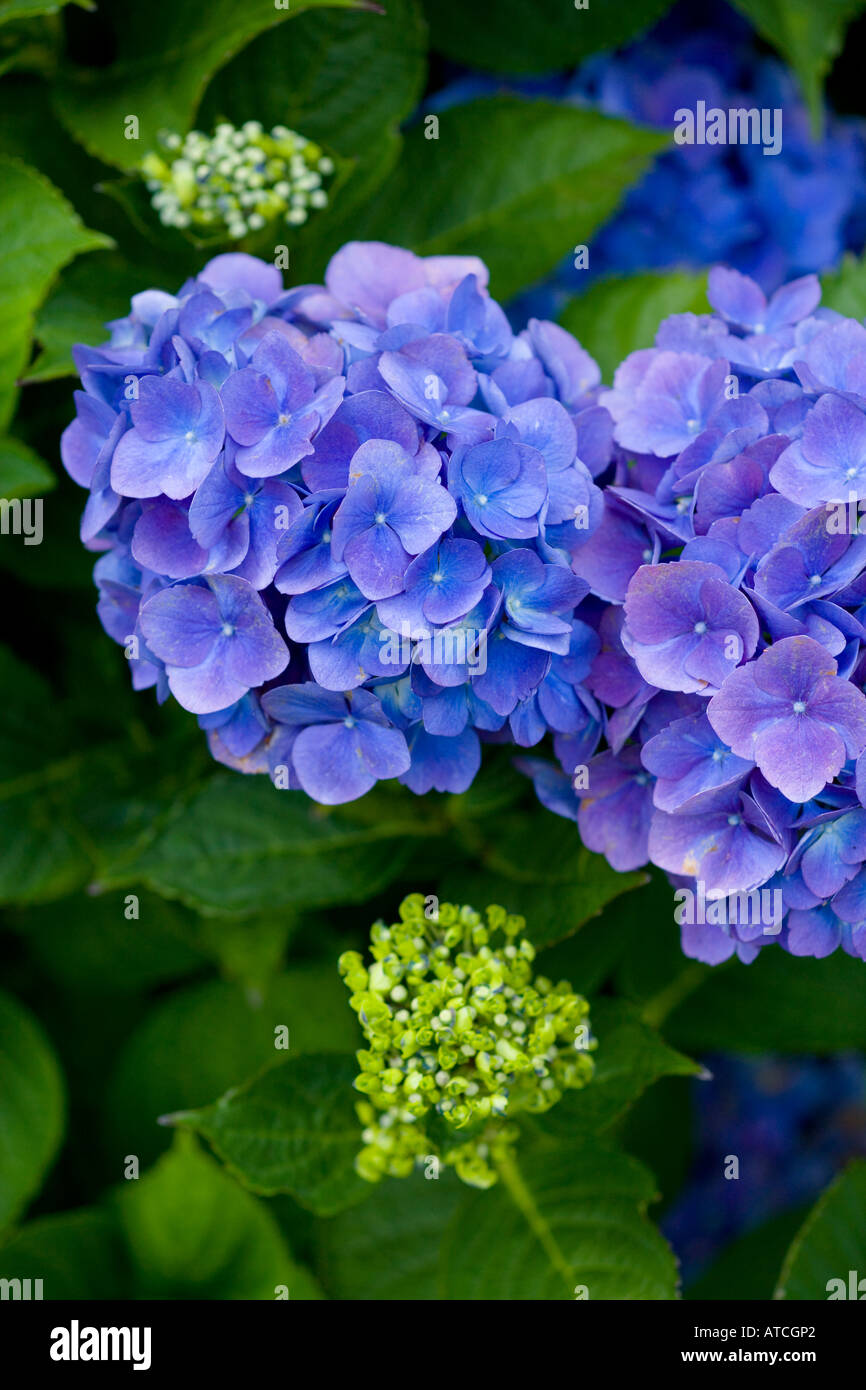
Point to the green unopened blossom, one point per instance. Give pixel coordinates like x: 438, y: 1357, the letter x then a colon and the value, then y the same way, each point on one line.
x: 460, y: 1040
x: 237, y: 180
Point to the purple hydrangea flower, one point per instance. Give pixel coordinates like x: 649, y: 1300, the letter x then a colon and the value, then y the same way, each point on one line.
x: 389, y: 514
x: 686, y: 627
x: 178, y: 431
x: 792, y: 714
x: 344, y: 743
x: 291, y: 497
x: 217, y: 640
x: 828, y: 462
x: 361, y: 529
x: 273, y: 410
x: 502, y: 486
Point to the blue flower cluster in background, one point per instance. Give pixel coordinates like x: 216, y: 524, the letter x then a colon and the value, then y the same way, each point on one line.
x: 791, y: 1122
x: 732, y: 656
x: 338, y: 523
x: 772, y: 217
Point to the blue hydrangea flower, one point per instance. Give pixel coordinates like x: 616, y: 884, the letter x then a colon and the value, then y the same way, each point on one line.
x: 177, y: 434
x: 217, y: 640
x: 728, y: 584
x: 361, y: 529
x: 502, y: 486
x: 773, y: 218
x: 344, y: 743
x: 294, y: 527
x: 793, y: 715
x: 686, y: 628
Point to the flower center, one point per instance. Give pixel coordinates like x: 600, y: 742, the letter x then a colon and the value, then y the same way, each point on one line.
x: 380, y: 518
x: 734, y: 820
x: 283, y: 419
x: 481, y: 499
x: 700, y: 628
x: 799, y: 706
x: 190, y: 436
x: 437, y: 577
x: 815, y: 578
x: 349, y: 721
x: 227, y: 630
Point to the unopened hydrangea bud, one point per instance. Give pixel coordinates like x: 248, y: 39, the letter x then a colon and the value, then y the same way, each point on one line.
x: 486, y: 1042
x: 236, y: 181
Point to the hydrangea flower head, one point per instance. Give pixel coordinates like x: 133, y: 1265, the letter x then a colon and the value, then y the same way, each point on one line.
x: 237, y: 180
x: 461, y: 1039
x: 338, y: 522
x: 731, y: 665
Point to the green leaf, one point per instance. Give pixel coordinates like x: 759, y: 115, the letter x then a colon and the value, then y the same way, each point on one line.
x: 355, y: 185
x: 70, y: 802
x: 630, y: 1057
x: 779, y: 1003
x: 749, y: 1265
x: 548, y: 34
x: 41, y: 857
x: 85, y: 298
x: 249, y: 950
x: 165, y: 1066
x: 659, y: 1130
x: 557, y: 885
x: 845, y: 289
x: 389, y: 1246
x: 617, y: 316
x: 22, y: 472
x: 831, y: 1243
x: 31, y: 1108
x: 40, y: 233
x: 241, y: 845
x: 570, y: 1217
x: 809, y: 37
x: 293, y: 1129
x: 76, y: 1254
x: 339, y: 77
x: 193, y: 1233
x: 28, y: 9
x: 167, y: 52
x: 89, y: 943
x: 515, y: 182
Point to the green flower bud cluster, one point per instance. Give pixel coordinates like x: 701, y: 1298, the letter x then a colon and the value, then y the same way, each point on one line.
x: 461, y: 1039
x: 237, y: 180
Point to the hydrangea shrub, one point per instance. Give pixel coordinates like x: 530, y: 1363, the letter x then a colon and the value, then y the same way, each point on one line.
x: 361, y: 529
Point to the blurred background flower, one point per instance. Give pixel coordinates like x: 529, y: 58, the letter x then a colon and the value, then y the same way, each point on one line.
x: 773, y: 217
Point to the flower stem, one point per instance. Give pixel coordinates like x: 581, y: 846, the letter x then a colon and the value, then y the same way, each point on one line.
x: 526, y: 1205
x: 657, y: 1008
